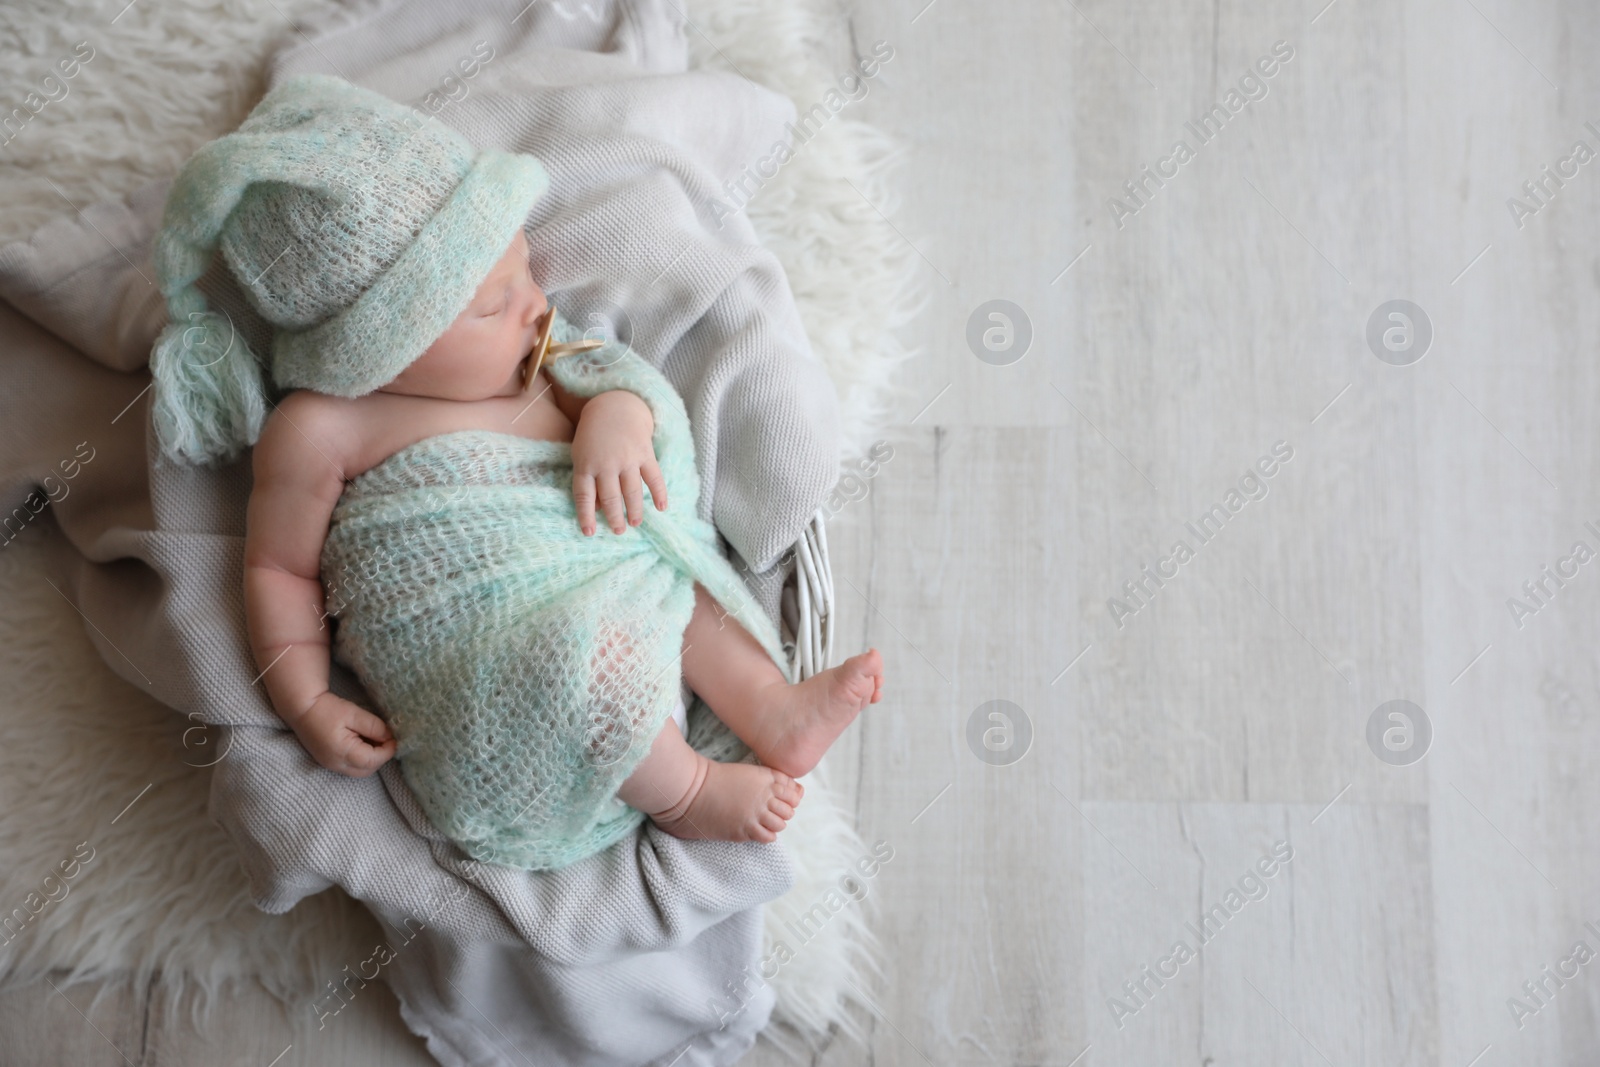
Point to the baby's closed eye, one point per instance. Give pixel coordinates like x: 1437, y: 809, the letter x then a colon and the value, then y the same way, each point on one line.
x: 505, y: 303
x: 506, y: 300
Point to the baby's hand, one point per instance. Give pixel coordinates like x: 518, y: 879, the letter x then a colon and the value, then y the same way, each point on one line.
x: 345, y: 737
x: 612, y: 458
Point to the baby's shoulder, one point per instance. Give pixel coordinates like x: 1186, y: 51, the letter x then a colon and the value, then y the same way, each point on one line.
x: 303, y: 408
x: 356, y: 434
x: 311, y: 427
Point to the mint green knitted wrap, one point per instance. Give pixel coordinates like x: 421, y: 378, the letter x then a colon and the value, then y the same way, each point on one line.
x: 524, y: 668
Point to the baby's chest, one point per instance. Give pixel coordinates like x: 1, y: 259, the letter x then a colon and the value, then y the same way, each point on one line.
x: 387, y: 423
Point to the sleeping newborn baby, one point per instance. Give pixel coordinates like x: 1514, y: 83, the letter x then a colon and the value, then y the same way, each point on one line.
x: 472, y: 381
x: 431, y: 477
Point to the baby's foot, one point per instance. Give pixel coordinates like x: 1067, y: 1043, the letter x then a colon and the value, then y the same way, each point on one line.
x: 734, y: 802
x: 805, y: 719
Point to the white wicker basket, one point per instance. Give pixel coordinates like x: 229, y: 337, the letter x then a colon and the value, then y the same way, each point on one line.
x: 813, y: 589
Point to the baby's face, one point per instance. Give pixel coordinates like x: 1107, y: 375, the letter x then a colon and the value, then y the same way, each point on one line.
x: 480, y: 355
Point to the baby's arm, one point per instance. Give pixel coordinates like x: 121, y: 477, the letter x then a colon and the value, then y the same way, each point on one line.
x: 612, y: 456
x: 298, y: 479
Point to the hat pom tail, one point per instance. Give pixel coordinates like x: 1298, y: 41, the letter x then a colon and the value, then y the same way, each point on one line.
x: 209, y: 402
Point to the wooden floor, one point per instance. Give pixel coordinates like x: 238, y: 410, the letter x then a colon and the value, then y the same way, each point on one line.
x: 1163, y: 749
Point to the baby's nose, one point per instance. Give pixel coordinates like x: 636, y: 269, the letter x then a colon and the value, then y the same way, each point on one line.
x: 536, y: 306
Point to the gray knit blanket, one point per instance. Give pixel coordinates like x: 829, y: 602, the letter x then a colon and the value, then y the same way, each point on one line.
x: 624, y: 958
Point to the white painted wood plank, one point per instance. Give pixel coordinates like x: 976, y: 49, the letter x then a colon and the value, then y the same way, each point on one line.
x: 1324, y: 955
x: 1505, y: 409
x: 1214, y: 328
x: 949, y: 570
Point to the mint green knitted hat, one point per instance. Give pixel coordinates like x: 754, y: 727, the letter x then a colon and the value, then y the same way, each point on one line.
x: 358, y: 228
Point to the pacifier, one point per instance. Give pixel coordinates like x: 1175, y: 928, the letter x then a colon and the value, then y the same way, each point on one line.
x: 542, y: 347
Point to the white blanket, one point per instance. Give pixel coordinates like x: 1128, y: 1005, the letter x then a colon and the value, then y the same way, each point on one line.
x: 649, y: 953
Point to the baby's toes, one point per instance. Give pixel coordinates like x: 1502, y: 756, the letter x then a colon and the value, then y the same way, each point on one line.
x: 787, y: 790
x: 781, y: 808
x: 773, y: 821
x: 872, y: 663
x: 865, y: 675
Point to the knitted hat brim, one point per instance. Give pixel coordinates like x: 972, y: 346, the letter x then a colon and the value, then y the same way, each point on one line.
x: 415, y: 301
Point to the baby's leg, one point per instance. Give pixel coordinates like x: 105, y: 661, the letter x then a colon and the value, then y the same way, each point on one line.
x: 787, y: 726
x: 691, y: 796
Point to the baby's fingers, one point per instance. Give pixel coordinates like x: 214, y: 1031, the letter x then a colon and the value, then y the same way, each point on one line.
x: 363, y: 759
x: 360, y: 757
x: 633, y: 495
x: 583, y: 497
x: 368, y: 725
x: 658, y: 485
x: 608, y: 489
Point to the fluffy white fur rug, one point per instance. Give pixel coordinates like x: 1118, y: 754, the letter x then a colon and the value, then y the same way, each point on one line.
x: 159, y: 889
